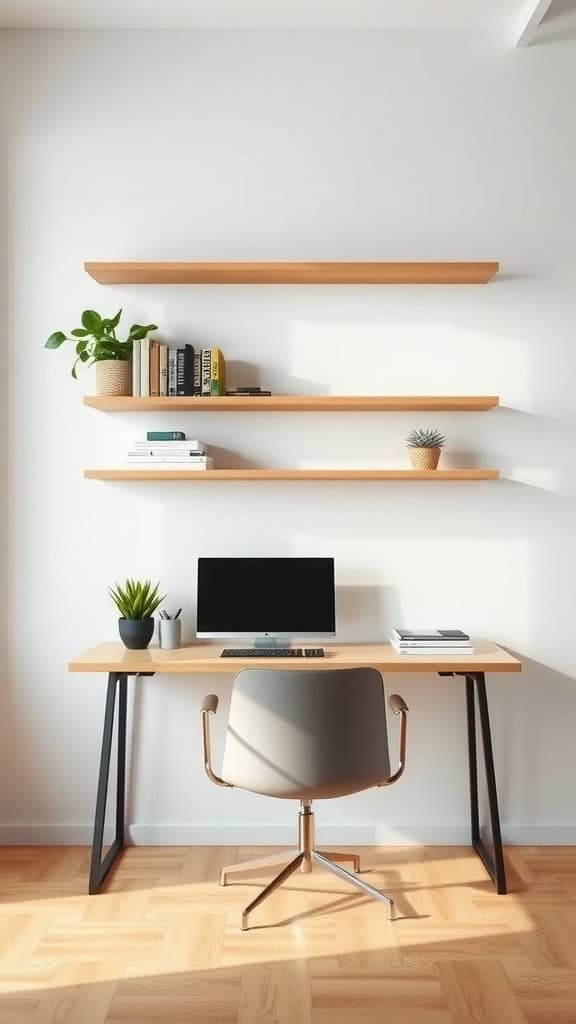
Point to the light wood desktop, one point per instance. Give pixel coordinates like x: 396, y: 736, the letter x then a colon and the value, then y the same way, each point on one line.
x: 205, y: 657
x: 202, y: 658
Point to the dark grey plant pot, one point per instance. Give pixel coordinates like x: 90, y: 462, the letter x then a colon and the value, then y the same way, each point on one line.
x: 136, y: 634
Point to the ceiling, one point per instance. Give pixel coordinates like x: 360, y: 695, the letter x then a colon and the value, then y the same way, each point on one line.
x: 519, y: 22
x: 257, y: 13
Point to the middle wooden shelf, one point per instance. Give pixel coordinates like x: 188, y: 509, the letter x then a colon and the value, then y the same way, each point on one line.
x: 295, y: 403
x: 437, y: 475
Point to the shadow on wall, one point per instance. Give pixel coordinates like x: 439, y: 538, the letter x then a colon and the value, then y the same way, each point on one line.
x: 558, y: 24
x: 5, y: 332
x: 544, y: 755
x: 366, y: 614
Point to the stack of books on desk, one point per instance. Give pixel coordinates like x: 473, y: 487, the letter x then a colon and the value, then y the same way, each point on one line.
x: 431, y: 641
x: 169, y: 454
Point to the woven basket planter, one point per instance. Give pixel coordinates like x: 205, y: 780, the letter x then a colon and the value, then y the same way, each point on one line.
x: 425, y: 458
x: 113, y: 377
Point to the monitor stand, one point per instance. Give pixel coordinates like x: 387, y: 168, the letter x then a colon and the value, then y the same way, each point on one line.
x: 270, y: 642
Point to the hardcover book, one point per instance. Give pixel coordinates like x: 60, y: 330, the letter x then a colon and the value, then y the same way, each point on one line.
x: 196, y: 465
x: 188, y: 369
x: 197, y: 372
x: 154, y: 368
x: 172, y: 357
x: 216, y: 372
x: 171, y: 444
x: 164, y: 435
x: 163, y: 371
x: 145, y: 367
x: 430, y: 634
x: 136, y: 369
x: 417, y: 652
x: 180, y: 372
x: 160, y: 454
x: 206, y: 370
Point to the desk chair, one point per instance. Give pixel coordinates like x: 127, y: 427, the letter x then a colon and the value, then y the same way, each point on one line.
x: 305, y: 735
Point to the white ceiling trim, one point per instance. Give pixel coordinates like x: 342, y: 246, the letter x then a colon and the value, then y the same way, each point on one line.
x: 517, y: 21
x: 527, y: 24
x: 386, y: 14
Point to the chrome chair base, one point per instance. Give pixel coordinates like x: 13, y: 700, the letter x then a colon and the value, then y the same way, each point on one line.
x: 304, y: 858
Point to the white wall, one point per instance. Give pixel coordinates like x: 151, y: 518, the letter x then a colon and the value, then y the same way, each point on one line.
x: 248, y: 145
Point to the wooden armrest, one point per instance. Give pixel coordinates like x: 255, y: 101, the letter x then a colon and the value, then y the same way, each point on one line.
x: 209, y: 707
x: 397, y: 704
x: 399, y: 707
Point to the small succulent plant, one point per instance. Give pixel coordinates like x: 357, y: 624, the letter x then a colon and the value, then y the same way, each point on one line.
x: 425, y: 439
x: 136, y: 600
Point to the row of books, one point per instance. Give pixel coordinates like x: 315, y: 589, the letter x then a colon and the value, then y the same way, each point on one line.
x: 431, y: 641
x: 158, y: 370
x: 170, y: 454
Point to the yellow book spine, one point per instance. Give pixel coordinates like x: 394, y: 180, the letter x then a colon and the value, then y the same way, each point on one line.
x: 216, y: 372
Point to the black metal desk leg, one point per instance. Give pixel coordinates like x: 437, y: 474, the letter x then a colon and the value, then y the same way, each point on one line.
x: 99, y: 868
x: 472, y: 761
x: 494, y: 863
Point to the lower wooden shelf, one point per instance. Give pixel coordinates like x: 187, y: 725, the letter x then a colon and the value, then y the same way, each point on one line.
x: 291, y: 474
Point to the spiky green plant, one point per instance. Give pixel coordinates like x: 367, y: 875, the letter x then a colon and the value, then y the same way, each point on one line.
x: 425, y: 439
x: 136, y: 600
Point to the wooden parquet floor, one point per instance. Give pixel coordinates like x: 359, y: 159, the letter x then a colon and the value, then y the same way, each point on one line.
x: 162, y: 943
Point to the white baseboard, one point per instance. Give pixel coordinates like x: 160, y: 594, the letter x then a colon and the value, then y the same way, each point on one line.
x: 50, y: 835
x: 539, y: 835
x: 258, y: 834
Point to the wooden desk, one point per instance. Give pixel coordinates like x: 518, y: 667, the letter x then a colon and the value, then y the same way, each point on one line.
x: 119, y: 663
x: 203, y: 657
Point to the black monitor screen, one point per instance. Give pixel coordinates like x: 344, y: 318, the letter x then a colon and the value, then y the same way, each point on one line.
x: 254, y: 596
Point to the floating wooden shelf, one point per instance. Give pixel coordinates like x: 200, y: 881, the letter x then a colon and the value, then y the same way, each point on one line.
x: 291, y: 474
x: 293, y: 273
x: 297, y: 403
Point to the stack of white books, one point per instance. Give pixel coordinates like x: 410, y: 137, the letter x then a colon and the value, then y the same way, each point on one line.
x: 169, y: 455
x: 431, y: 641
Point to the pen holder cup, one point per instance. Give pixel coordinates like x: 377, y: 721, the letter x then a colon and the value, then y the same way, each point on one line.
x: 170, y: 633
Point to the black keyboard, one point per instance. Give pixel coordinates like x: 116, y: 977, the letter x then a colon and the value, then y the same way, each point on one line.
x: 273, y: 652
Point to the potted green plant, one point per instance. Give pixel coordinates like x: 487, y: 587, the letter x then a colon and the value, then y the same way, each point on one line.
x: 96, y: 342
x: 136, y: 603
x: 425, y: 447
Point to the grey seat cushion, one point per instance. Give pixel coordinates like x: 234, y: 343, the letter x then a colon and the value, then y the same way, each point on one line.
x: 307, y: 735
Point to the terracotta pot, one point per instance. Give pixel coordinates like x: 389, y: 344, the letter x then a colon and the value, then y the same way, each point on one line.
x: 113, y: 377
x: 425, y: 458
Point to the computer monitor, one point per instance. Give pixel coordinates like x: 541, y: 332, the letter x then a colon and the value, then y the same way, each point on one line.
x: 266, y: 599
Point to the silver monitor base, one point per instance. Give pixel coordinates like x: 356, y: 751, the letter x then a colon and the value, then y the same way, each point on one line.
x: 270, y: 643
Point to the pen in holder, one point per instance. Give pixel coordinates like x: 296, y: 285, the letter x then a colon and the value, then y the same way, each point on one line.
x: 170, y: 629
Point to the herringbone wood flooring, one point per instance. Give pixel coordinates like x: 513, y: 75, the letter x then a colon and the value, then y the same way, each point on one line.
x: 162, y: 943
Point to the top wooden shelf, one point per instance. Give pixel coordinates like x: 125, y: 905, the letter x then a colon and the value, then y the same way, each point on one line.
x: 295, y: 403
x: 293, y: 273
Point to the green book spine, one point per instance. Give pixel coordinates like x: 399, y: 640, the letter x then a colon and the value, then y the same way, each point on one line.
x: 216, y: 372
x: 165, y: 435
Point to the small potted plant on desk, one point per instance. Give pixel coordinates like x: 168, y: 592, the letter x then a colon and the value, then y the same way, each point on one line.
x: 425, y: 447
x: 136, y: 603
x: 96, y: 342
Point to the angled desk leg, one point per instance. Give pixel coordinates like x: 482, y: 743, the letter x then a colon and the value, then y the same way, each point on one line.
x: 117, y: 682
x: 493, y: 862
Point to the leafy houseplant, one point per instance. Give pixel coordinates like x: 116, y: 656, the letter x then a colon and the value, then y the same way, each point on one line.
x: 136, y: 603
x: 425, y: 447
x: 96, y: 342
